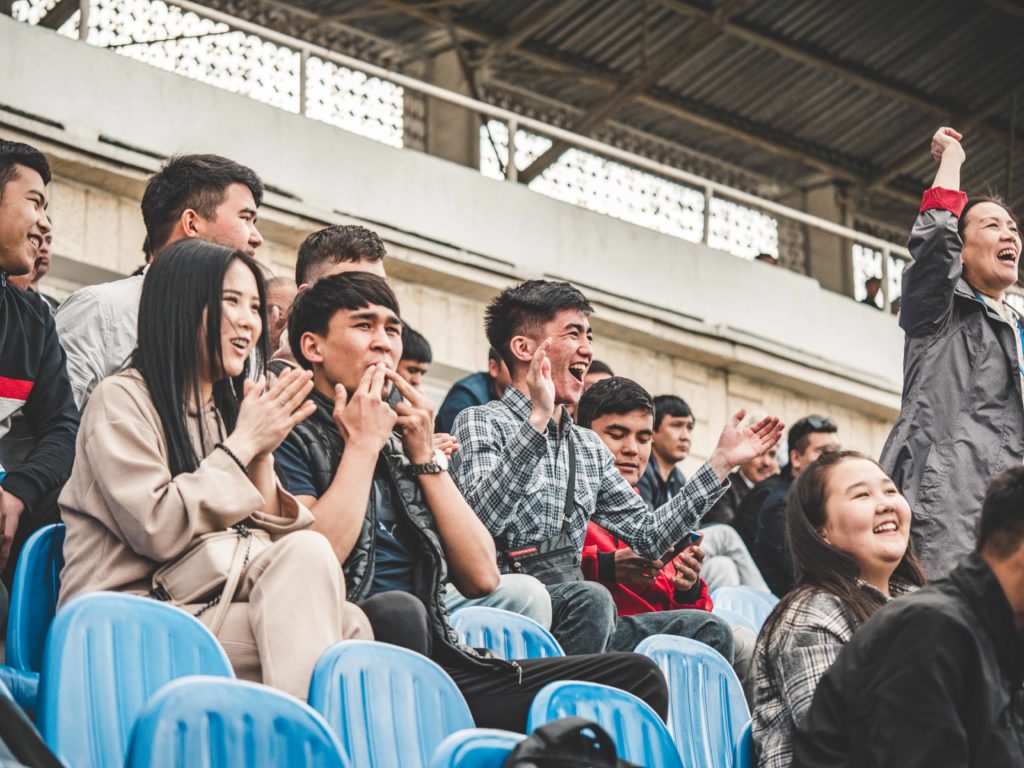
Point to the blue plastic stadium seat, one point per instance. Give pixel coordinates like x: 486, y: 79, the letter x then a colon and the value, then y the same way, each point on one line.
x: 389, y: 706
x: 219, y: 723
x: 476, y: 748
x: 736, y: 619
x: 33, y: 603
x: 639, y: 734
x: 755, y: 604
x: 106, y: 654
x: 509, y: 635
x: 744, y: 751
x: 707, y: 709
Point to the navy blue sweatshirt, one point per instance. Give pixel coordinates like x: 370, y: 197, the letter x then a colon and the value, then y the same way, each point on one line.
x: 33, y: 380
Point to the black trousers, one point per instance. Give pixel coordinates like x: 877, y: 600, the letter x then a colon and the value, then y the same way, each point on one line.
x: 498, y: 698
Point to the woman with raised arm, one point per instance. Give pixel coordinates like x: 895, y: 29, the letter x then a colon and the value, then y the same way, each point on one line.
x: 849, y: 531
x: 962, y: 418
x: 180, y: 445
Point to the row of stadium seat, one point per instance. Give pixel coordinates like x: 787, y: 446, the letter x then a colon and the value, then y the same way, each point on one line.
x: 707, y: 709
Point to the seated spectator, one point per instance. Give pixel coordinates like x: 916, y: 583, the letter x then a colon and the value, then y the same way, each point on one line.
x: 962, y: 408
x: 416, y: 357
x: 808, y: 439
x: 728, y: 562
x: 181, y: 445
x: 280, y: 295
x: 204, y: 196
x: 37, y: 448
x: 475, y: 389
x: 396, y: 519
x: 331, y: 251
x: 850, y: 530
x: 743, y: 481
x: 597, y: 371
x: 31, y: 280
x: 536, y: 479
x: 871, y: 288
x: 621, y: 413
x: 936, y: 679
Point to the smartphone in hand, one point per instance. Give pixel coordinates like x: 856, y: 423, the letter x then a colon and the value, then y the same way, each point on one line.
x: 691, y: 539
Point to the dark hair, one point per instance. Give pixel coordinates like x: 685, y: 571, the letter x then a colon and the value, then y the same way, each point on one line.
x: 186, y: 280
x: 818, y: 566
x: 1001, y: 527
x: 669, y: 405
x: 799, y: 435
x: 415, y: 346
x: 492, y: 354
x: 15, y: 153
x: 615, y: 395
x: 596, y: 366
x: 961, y: 223
x: 314, y: 307
x: 520, y: 309
x: 331, y: 245
x: 197, y: 182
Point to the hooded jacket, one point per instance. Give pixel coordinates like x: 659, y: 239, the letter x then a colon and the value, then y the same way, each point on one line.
x: 933, y: 680
x: 962, y: 416
x: 34, y: 382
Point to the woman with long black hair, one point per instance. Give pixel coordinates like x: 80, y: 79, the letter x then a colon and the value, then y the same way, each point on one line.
x: 849, y: 539
x: 181, y: 444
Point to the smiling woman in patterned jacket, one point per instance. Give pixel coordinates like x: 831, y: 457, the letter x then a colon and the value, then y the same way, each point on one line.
x: 849, y: 536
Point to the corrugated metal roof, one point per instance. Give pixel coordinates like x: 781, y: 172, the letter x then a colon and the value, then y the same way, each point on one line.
x: 771, y: 75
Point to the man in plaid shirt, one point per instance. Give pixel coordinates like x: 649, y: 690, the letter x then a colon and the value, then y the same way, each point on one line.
x: 513, y: 466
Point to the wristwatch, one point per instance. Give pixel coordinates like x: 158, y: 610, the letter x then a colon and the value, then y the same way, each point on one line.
x: 435, y: 466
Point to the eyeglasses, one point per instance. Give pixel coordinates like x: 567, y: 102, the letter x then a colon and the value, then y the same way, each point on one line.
x: 817, y: 423
x: 808, y: 425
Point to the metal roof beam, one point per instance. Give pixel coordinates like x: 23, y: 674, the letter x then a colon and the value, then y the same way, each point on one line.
x: 537, y: 16
x: 674, y: 54
x: 860, y: 76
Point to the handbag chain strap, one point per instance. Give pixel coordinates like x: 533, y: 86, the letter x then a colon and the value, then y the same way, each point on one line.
x: 238, y: 563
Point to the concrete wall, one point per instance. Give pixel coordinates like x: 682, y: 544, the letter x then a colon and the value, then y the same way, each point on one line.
x: 678, y: 317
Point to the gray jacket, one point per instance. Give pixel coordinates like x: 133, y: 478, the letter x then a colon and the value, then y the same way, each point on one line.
x: 962, y: 418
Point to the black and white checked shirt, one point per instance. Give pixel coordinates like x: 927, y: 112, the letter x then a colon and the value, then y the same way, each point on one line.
x: 515, y: 479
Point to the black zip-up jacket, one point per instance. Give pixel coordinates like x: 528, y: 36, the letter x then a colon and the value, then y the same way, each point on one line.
x: 321, y: 446
x: 933, y: 680
x: 33, y: 380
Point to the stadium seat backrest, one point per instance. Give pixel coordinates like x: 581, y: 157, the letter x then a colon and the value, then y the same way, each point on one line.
x: 510, y: 635
x: 106, y: 654
x: 390, y: 706
x: 744, y: 750
x: 736, y: 619
x: 475, y: 748
x: 754, y: 604
x: 706, y: 709
x: 639, y: 734
x: 34, y: 597
x: 220, y: 723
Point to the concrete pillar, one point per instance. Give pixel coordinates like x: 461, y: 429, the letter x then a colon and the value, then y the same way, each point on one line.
x: 829, y: 259
x: 447, y: 131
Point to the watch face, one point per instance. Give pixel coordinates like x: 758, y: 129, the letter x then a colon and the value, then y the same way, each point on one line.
x: 441, y: 460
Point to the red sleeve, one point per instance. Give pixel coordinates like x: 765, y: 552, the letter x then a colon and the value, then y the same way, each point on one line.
x: 589, y: 562
x: 952, y: 200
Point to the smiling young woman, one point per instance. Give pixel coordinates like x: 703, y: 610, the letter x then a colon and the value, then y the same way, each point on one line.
x: 849, y: 538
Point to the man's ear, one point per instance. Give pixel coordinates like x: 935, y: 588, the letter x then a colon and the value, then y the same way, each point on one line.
x: 523, y: 348
x: 190, y: 223
x: 311, y: 346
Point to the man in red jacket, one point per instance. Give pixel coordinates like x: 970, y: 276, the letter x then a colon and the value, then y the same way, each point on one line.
x: 621, y: 412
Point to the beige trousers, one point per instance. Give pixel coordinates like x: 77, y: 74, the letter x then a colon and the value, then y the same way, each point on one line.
x: 290, y: 608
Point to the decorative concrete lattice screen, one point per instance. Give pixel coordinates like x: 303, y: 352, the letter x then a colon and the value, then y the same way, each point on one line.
x: 635, y: 196
x: 867, y: 262
x: 164, y: 36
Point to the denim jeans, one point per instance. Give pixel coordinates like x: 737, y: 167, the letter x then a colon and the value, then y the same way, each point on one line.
x: 582, y: 616
x: 693, y: 623
x: 517, y: 593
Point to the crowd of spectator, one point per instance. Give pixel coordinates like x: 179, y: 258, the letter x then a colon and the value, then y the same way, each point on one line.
x: 197, y: 396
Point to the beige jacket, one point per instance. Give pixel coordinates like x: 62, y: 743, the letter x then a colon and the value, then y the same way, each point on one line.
x: 126, y: 516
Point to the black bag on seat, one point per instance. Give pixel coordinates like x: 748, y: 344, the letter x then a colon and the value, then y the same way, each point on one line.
x: 570, y: 742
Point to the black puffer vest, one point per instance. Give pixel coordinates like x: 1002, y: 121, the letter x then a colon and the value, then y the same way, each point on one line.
x: 322, y: 447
